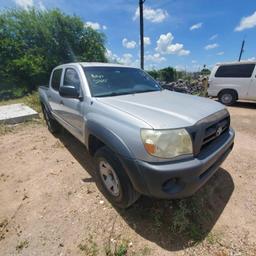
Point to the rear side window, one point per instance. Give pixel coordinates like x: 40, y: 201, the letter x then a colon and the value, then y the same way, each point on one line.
x: 240, y: 70
x: 56, y: 77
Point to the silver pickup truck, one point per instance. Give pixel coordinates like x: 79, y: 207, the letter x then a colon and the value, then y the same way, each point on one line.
x: 145, y: 140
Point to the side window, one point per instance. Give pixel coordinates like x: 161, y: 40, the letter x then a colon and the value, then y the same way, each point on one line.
x: 56, y: 77
x: 240, y: 70
x: 71, y: 78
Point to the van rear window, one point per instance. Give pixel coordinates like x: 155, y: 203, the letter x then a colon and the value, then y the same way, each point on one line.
x: 240, y: 70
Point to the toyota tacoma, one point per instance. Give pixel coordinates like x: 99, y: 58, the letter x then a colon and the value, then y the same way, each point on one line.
x: 144, y: 139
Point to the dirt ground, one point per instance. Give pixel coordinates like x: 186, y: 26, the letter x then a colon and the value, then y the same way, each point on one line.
x: 50, y: 205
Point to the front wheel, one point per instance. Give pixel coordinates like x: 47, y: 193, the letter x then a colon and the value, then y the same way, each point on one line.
x: 112, y: 179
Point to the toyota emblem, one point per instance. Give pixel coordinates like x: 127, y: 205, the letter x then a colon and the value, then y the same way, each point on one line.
x: 219, y: 131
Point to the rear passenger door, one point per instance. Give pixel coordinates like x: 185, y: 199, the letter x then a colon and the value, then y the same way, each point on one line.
x: 54, y: 96
x: 72, y: 109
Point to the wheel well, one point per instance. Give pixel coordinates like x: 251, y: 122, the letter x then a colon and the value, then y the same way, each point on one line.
x: 228, y: 90
x: 94, y: 144
x: 42, y: 104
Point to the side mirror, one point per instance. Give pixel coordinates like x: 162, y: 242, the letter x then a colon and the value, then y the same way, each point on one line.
x: 69, y: 92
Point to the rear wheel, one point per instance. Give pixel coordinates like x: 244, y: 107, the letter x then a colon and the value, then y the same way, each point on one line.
x: 52, y: 124
x: 227, y: 97
x: 112, y: 179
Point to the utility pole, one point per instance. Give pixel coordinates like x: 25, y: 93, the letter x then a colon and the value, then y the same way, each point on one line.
x: 141, y: 34
x: 241, y: 51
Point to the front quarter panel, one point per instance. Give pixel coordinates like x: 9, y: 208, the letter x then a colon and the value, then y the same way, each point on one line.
x: 118, y: 130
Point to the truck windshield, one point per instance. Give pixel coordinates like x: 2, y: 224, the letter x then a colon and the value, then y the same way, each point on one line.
x: 114, y: 81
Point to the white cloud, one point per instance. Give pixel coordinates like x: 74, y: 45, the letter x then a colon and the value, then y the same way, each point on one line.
x: 196, y: 26
x: 154, y: 58
x: 41, y: 6
x: 125, y: 59
x: 165, y: 46
x: 194, y: 61
x: 147, y: 40
x: 128, y: 44
x: 179, y: 67
x: 220, y: 53
x: 252, y: 59
x: 95, y: 25
x: 247, y: 22
x: 211, y: 46
x: 213, y: 37
x: 152, y: 15
x: 26, y: 4
x: 110, y: 56
x: 183, y: 52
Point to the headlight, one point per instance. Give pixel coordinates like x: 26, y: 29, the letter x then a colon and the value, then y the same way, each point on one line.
x: 167, y: 143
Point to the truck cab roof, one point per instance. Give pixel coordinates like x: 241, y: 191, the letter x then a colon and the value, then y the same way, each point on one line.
x: 93, y: 64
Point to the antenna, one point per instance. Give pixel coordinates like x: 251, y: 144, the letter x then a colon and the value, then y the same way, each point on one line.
x: 241, y: 51
x: 141, y: 2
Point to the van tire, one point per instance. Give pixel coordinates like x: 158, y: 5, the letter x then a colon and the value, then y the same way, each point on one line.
x: 227, y: 97
x: 126, y: 195
x: 53, y: 126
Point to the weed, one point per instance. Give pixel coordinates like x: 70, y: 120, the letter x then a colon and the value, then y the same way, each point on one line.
x: 157, y: 217
x: 119, y: 249
x: 143, y: 252
x: 90, y: 248
x: 32, y: 100
x: 188, y: 218
x: 213, y: 238
x: 180, y: 219
x: 3, y: 227
x: 8, y: 128
x: 194, y: 231
x: 4, y: 128
x: 58, y: 144
x: 21, y: 245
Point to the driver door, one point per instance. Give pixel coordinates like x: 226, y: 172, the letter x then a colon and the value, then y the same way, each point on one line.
x: 72, y: 109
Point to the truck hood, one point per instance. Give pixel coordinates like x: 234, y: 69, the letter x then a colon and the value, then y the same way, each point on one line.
x: 164, y: 109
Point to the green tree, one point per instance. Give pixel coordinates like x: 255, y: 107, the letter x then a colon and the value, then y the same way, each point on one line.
x: 154, y: 73
x: 167, y: 74
x: 32, y: 42
x: 205, y: 71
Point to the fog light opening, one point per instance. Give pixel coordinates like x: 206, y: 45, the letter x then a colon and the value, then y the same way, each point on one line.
x: 172, y: 185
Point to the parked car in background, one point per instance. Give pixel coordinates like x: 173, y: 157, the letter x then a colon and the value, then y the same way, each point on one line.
x: 233, y: 81
x: 145, y: 140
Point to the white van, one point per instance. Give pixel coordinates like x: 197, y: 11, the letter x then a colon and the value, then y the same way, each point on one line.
x: 233, y: 81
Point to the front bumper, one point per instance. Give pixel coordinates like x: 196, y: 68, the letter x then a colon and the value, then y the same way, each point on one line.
x: 181, y: 178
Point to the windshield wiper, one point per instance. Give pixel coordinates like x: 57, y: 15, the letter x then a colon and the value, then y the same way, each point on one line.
x: 114, y: 94
x: 146, y: 91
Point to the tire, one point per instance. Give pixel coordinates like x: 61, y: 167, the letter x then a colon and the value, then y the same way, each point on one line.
x: 122, y: 193
x: 228, y: 97
x: 53, y: 126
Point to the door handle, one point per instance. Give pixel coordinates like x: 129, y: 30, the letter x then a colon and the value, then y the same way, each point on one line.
x: 61, y: 102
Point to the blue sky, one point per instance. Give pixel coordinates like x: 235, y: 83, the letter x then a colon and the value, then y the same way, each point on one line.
x: 185, y: 34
